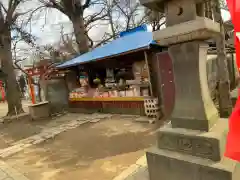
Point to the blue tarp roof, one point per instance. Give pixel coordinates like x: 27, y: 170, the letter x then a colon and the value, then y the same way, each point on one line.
x: 128, y: 42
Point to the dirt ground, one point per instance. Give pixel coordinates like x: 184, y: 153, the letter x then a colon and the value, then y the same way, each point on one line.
x: 3, y: 107
x: 12, y: 132
x: 94, y: 151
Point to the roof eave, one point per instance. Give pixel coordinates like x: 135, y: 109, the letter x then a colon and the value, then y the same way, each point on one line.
x: 108, y: 57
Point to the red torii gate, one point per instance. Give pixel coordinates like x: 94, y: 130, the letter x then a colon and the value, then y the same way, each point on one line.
x: 34, y: 71
x: 43, y: 70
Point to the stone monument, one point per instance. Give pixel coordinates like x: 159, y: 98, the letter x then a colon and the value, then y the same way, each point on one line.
x: 191, y: 147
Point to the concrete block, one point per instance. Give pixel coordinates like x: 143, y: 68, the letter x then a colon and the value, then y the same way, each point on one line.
x: 40, y: 110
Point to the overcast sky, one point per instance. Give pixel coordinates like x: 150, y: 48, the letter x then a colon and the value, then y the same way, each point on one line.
x: 48, y: 30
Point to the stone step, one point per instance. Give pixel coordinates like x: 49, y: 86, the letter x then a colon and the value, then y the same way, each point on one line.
x: 169, y: 165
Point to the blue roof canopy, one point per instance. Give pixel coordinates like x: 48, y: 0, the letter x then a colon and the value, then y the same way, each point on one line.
x: 135, y: 39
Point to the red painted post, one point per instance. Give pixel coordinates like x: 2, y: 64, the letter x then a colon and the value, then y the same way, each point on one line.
x: 2, y: 91
x: 31, y: 90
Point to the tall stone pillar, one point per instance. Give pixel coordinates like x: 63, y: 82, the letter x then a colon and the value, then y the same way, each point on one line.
x: 190, y: 147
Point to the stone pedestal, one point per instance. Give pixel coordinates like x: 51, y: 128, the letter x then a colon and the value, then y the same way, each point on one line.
x: 170, y: 165
x: 191, y: 147
x: 194, y: 108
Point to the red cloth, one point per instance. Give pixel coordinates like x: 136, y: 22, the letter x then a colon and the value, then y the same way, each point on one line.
x: 233, y: 137
x: 231, y: 7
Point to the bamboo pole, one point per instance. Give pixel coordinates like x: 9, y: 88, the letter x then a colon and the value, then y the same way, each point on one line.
x: 148, y: 71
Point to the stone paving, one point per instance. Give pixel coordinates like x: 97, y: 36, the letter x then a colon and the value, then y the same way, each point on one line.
x: 49, y: 133
x: 8, y: 173
x: 3, y: 107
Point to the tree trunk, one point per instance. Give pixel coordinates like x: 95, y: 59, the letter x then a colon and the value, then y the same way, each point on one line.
x: 12, y: 89
x: 80, y: 33
x: 224, y: 98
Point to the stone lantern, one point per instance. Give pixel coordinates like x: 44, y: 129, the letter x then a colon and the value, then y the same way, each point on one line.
x: 190, y: 147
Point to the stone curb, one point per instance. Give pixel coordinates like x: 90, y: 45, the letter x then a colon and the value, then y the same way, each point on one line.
x: 140, y: 163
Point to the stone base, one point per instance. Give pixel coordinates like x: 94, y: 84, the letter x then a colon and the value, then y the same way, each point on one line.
x: 209, y: 145
x: 192, y: 155
x: 169, y: 165
x: 130, y: 111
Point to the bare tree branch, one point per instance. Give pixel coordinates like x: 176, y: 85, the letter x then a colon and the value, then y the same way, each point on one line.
x: 53, y: 4
x: 94, y: 17
x: 74, y: 10
x: 3, y: 7
x: 10, y: 17
x: 32, y: 12
x: 1, y: 17
x: 104, y: 41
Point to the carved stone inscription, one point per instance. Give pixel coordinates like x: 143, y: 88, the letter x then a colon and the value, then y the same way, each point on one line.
x: 204, y: 147
x: 185, y: 144
x: 196, y: 146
